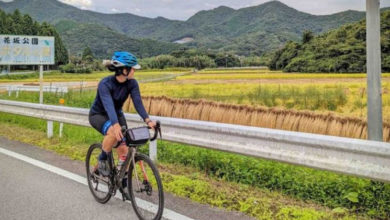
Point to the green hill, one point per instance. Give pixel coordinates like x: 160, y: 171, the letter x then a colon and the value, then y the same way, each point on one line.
x: 340, y: 50
x: 81, y: 28
x: 104, y: 41
x: 253, y: 30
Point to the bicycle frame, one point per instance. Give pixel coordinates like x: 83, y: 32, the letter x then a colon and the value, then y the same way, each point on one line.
x: 119, y: 175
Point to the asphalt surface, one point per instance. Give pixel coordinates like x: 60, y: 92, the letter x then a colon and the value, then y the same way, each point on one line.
x: 30, y: 192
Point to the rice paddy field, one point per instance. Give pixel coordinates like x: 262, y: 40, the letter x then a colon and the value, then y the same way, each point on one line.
x: 341, y: 95
x: 333, y: 104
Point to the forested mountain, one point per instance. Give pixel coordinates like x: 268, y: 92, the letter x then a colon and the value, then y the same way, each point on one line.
x: 340, y: 50
x: 104, y: 41
x: 18, y: 24
x: 252, y: 30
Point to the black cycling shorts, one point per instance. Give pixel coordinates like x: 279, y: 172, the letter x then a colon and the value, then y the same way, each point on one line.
x: 102, y: 123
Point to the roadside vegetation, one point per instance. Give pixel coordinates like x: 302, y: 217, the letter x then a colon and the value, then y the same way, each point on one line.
x: 260, y: 188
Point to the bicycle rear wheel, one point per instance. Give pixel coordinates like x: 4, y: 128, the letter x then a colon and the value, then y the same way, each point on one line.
x: 145, y: 188
x: 99, y: 186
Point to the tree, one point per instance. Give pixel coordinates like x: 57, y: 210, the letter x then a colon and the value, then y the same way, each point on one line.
x: 307, y: 36
x: 87, y: 55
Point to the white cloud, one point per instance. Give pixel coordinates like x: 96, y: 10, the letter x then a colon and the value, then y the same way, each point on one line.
x: 208, y: 5
x: 183, y: 9
x: 83, y: 4
x: 114, y: 10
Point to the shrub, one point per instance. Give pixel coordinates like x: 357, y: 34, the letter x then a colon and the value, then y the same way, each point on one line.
x: 71, y: 68
x: 331, y: 189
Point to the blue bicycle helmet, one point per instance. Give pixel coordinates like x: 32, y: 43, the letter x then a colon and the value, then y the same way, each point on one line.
x: 124, y: 59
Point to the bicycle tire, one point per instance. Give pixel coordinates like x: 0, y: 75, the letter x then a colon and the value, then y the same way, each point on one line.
x: 138, y: 210
x: 101, y: 199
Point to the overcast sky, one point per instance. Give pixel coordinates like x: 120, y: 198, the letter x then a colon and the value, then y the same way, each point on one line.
x: 183, y: 9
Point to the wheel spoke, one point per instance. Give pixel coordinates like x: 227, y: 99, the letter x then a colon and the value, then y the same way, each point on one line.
x: 145, y: 188
x: 98, y: 185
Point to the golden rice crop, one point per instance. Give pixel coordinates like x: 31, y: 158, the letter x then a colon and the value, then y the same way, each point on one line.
x: 275, y: 118
x: 270, y: 75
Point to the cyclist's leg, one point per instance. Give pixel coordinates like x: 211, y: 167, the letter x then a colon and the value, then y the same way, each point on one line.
x: 102, y: 124
x: 122, y: 149
x: 109, y: 140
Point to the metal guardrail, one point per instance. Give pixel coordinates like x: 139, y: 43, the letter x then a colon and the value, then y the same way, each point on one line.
x: 17, y: 89
x: 356, y: 157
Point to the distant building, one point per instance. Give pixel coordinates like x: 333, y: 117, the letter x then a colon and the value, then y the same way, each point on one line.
x: 184, y: 40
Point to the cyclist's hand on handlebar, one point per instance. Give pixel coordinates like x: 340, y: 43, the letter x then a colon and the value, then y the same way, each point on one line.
x: 118, y: 132
x: 151, y: 124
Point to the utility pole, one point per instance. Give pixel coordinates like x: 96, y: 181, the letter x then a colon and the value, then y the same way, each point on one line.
x: 374, y: 93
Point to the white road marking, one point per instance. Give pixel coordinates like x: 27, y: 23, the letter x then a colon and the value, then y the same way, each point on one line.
x: 168, y: 214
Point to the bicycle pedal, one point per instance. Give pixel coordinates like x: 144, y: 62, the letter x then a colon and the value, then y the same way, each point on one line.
x: 93, y: 178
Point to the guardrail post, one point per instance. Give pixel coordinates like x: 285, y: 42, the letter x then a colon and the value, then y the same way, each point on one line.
x: 153, y: 150
x: 61, y: 128
x: 49, y: 129
x: 40, y: 84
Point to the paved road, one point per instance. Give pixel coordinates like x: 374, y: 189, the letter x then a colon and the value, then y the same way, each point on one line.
x: 37, y: 191
x: 29, y: 192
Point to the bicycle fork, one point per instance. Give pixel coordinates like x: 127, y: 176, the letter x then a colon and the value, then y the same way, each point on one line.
x: 135, y: 169
x: 141, y: 165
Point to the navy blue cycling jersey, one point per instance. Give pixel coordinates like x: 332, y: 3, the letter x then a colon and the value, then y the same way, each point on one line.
x: 112, y: 94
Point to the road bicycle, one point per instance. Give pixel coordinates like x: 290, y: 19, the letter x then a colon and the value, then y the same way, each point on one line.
x: 143, y: 187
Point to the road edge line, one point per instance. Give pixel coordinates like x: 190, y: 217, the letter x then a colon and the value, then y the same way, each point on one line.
x: 168, y: 214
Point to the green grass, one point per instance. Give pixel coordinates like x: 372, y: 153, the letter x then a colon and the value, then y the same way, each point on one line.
x: 74, y: 98
x: 261, y: 188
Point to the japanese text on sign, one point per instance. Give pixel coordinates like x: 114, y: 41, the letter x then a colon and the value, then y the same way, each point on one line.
x: 26, y: 50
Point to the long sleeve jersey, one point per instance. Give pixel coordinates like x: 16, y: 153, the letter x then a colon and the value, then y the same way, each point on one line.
x: 111, y: 95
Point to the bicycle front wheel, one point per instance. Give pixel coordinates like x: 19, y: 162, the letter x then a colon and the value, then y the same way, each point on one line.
x: 99, y: 185
x: 145, y: 188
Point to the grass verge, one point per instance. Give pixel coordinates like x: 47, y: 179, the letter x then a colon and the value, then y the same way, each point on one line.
x: 186, y: 178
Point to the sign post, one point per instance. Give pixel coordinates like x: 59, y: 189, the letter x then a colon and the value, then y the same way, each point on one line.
x: 40, y: 84
x: 28, y: 50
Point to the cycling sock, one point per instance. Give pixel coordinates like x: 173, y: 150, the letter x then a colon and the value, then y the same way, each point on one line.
x: 103, y: 155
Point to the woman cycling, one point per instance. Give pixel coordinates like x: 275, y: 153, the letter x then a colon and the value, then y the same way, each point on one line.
x: 106, y: 114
